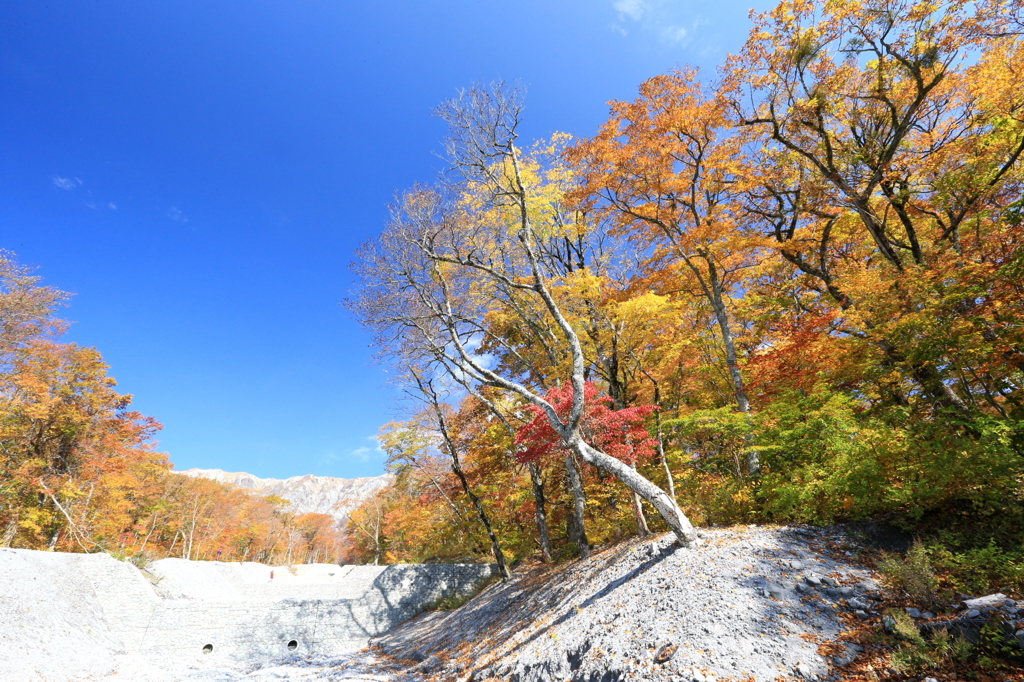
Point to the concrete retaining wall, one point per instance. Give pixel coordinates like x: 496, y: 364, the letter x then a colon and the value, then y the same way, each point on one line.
x: 180, y: 607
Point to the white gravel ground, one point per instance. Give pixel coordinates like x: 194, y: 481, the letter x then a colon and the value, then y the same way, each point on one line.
x: 359, y: 667
x: 752, y: 603
x: 746, y: 603
x: 53, y: 629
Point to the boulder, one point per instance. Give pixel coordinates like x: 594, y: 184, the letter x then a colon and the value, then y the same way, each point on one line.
x: 990, y: 601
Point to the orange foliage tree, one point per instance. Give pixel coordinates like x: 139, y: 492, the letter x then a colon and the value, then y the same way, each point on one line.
x: 79, y: 470
x: 827, y: 287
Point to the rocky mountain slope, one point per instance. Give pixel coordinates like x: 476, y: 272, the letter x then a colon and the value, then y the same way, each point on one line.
x: 318, y: 494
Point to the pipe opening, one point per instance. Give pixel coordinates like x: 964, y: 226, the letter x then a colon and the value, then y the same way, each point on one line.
x: 293, y: 645
x: 208, y: 648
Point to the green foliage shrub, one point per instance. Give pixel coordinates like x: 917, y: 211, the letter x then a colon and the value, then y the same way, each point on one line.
x: 912, y: 575
x: 827, y: 459
x: 822, y: 462
x: 708, y: 458
x: 715, y: 441
x: 981, y: 569
x: 712, y: 447
x: 916, y: 655
x: 953, y: 461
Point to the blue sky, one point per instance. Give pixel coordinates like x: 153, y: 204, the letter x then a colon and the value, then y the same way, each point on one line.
x: 198, y: 174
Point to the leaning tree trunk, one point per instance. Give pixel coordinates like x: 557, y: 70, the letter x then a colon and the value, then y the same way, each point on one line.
x: 661, y: 444
x: 9, y: 532
x: 499, y: 556
x: 677, y: 521
x: 740, y: 391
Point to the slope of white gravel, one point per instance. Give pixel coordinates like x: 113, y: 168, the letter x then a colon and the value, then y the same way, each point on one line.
x: 745, y: 603
x: 752, y: 603
x: 53, y: 629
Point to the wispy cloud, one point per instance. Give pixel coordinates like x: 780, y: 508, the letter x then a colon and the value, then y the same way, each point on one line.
x: 73, y: 183
x: 676, y: 35
x: 176, y: 215
x: 66, y: 183
x: 633, y: 9
x: 655, y: 17
x: 93, y: 204
x: 364, y: 452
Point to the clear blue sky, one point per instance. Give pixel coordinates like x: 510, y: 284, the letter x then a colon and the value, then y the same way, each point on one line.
x: 198, y: 174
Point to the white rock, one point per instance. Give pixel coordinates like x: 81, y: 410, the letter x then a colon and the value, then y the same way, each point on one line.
x: 988, y: 601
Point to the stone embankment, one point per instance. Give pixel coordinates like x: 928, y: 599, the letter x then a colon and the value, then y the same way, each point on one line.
x: 71, y: 616
x: 751, y: 603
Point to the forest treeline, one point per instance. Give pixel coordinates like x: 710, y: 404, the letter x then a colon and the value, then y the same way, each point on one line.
x: 78, y: 467
x: 789, y: 291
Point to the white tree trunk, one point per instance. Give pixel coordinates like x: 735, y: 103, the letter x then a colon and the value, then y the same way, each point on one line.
x: 658, y: 498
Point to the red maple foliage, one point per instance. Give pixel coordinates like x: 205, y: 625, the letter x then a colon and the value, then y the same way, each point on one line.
x: 619, y: 433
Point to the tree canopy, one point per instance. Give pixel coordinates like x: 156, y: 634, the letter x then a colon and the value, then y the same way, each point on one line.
x: 788, y: 291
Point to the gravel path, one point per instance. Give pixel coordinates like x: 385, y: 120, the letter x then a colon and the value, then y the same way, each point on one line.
x: 748, y: 603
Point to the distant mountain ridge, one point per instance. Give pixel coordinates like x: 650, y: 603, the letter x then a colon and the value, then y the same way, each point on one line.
x: 336, y: 497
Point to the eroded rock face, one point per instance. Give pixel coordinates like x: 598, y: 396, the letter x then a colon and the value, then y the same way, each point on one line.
x: 335, y: 497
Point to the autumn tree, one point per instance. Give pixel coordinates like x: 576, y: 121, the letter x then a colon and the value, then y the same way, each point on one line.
x: 665, y: 168
x: 77, y: 463
x: 898, y: 122
x: 444, y: 265
x: 438, y: 414
x: 812, y: 267
x: 79, y: 470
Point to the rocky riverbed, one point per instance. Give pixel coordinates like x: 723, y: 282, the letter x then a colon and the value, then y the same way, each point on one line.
x: 751, y: 603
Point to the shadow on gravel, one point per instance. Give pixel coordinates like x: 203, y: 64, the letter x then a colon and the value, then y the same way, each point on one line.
x: 647, y: 565
x: 507, y: 608
x: 741, y: 611
x: 656, y: 558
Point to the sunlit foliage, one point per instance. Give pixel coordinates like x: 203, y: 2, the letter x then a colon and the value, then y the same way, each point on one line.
x: 805, y: 274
